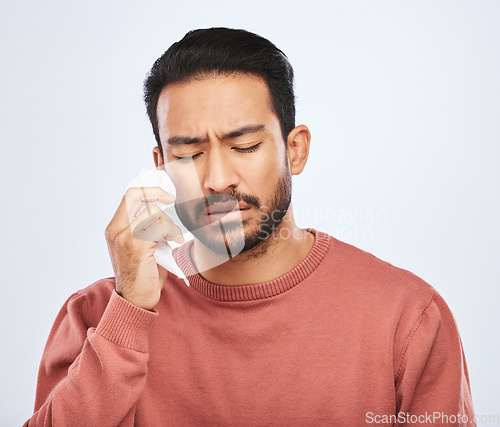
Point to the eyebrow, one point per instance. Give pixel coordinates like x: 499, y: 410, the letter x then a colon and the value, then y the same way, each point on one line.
x: 244, y: 130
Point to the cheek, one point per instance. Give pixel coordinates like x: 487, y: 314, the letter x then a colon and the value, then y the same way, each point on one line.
x: 264, y: 176
x: 186, y: 181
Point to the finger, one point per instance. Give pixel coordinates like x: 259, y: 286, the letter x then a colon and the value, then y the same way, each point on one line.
x: 131, y: 203
x: 153, y: 225
x: 138, y: 197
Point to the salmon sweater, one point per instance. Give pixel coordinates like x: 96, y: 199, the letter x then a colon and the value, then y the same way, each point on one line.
x: 343, y: 339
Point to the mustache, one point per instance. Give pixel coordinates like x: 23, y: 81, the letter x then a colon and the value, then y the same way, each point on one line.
x: 231, y: 198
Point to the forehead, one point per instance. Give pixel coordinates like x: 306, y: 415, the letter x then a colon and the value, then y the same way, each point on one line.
x: 214, y: 104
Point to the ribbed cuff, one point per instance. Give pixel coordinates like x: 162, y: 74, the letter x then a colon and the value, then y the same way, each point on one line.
x: 126, y: 324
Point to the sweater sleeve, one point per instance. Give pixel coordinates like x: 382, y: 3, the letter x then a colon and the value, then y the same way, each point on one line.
x: 93, y: 376
x: 432, y: 380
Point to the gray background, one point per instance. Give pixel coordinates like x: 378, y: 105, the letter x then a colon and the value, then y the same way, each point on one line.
x: 402, y: 99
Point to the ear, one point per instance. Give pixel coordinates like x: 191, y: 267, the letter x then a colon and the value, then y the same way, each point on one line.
x: 157, y: 158
x: 298, y: 148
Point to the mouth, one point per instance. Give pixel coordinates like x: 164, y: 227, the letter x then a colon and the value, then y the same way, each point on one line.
x: 227, y: 211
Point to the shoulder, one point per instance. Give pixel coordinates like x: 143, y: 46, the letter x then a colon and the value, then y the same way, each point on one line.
x: 372, y: 274
x: 369, y: 283
x: 386, y: 296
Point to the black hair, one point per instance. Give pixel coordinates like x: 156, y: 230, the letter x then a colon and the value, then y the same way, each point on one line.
x: 224, y: 51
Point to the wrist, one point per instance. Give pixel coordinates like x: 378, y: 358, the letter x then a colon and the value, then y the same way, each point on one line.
x: 144, y: 303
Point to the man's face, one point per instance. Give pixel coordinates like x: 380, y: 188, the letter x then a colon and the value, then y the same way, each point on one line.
x: 224, y: 151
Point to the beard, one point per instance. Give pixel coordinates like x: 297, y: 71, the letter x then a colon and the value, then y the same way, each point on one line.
x: 250, y: 236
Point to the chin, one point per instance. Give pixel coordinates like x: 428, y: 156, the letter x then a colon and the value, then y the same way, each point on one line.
x: 225, y: 239
x: 232, y: 238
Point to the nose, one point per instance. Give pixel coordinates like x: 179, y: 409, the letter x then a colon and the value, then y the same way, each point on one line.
x: 219, y: 172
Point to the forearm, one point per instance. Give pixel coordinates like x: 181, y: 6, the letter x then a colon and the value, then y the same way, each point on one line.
x: 107, y: 378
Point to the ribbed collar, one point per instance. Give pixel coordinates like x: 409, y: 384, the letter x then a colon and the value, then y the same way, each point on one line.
x: 254, y: 291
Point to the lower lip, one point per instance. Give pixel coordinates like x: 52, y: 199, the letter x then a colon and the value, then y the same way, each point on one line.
x: 228, y: 216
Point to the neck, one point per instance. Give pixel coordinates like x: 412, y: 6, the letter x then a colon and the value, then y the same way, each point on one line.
x: 282, y: 251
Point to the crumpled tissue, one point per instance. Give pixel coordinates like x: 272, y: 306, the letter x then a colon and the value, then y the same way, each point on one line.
x: 151, y: 177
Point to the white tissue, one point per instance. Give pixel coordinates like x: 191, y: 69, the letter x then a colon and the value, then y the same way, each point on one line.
x: 151, y: 177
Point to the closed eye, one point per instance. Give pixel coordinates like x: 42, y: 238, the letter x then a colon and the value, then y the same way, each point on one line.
x: 239, y: 150
x: 187, y: 159
x: 248, y: 149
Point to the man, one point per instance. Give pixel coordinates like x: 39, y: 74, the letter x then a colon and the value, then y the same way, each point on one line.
x: 288, y: 326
